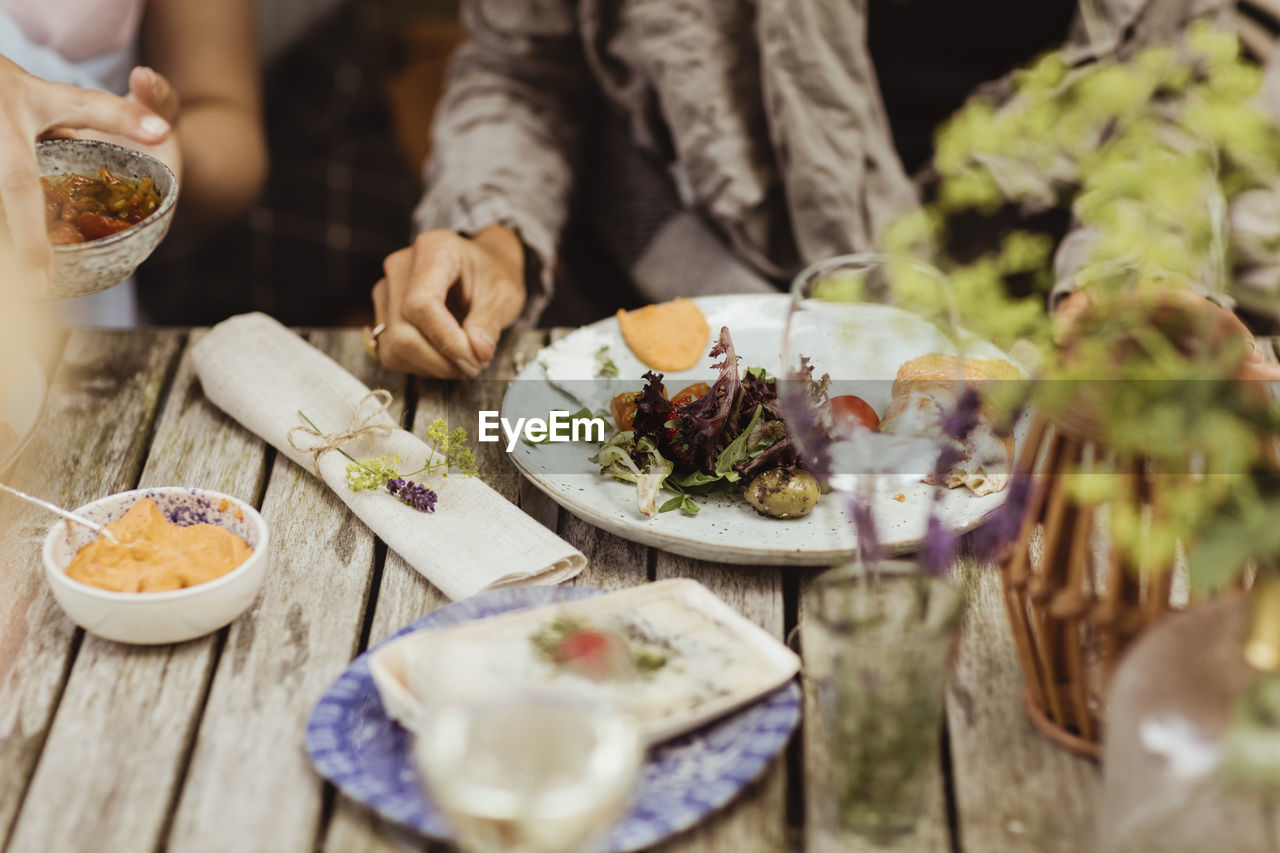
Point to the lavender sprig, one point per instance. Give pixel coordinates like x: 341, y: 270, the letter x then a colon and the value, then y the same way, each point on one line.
x: 963, y: 419
x: 803, y: 398
x: 1003, y: 525
x: 940, y: 544
x: 414, y: 494
x: 864, y: 522
x: 939, y: 547
x: 384, y: 471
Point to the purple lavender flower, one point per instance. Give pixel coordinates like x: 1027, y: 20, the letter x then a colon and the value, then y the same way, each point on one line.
x: 802, y: 397
x: 414, y: 494
x: 1003, y: 525
x: 938, y: 550
x: 949, y: 456
x: 865, y: 523
x: 963, y: 419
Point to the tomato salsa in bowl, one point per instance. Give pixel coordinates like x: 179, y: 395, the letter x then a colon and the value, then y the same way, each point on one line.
x: 79, y: 208
x: 106, y: 209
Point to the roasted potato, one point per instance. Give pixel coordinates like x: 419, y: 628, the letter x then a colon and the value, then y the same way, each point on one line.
x: 783, y: 493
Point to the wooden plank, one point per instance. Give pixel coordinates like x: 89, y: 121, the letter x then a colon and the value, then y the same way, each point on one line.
x: 250, y: 785
x: 538, y: 504
x: 403, y: 596
x: 932, y: 834
x: 1015, y: 790
x: 128, y: 713
x: 757, y: 818
x: 612, y: 562
x: 90, y: 442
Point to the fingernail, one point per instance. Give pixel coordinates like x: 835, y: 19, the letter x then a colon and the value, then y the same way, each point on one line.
x: 154, y: 125
x: 482, y: 343
x: 468, y: 367
x: 152, y: 78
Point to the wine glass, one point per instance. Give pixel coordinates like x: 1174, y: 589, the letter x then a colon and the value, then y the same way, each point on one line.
x: 529, y: 771
x: 833, y: 329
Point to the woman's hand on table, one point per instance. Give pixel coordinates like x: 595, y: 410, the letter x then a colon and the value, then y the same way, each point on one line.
x: 31, y: 109
x: 446, y: 299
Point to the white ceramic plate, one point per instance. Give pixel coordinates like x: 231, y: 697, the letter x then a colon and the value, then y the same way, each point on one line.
x: 875, y: 340
x: 716, y: 660
x: 21, y: 400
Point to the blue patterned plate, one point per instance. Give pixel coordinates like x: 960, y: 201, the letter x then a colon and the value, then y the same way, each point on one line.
x: 367, y: 756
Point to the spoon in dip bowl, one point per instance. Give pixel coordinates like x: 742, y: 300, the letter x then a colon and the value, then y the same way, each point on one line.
x: 54, y: 508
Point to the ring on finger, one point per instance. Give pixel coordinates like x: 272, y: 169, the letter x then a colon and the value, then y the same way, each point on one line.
x: 371, y: 338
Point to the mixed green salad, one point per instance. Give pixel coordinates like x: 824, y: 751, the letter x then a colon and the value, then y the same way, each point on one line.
x: 704, y: 439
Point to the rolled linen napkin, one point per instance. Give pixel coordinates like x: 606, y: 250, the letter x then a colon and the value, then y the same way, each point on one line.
x: 263, y: 375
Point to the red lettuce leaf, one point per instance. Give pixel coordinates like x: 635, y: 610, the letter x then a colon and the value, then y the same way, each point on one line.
x: 710, y: 412
x: 653, y: 409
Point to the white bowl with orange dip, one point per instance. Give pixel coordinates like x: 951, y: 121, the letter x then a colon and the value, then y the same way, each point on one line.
x: 187, y: 562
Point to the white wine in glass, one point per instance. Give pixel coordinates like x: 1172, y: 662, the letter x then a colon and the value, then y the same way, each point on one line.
x: 541, y: 774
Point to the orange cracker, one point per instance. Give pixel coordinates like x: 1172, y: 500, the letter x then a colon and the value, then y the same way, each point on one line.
x: 666, y: 336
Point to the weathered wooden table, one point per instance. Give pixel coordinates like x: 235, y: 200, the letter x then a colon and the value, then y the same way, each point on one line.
x: 105, y: 747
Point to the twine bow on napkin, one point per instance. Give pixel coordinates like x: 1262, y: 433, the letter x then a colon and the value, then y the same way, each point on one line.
x: 358, y: 428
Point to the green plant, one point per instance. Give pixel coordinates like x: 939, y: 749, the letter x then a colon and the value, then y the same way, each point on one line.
x: 1147, y: 153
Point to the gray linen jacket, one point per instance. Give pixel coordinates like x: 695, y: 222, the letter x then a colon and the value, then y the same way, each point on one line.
x: 765, y: 114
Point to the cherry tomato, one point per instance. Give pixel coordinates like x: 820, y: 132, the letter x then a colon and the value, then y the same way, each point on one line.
x: 95, y: 225
x: 623, y: 409
x: 849, y: 413
x: 63, y: 233
x: 691, y: 393
x: 675, y: 446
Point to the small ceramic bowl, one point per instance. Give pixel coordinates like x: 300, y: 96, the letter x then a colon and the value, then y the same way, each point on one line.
x: 159, y: 617
x: 83, y: 268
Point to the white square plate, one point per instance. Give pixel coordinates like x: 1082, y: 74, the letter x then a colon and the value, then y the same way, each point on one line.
x: 717, y: 660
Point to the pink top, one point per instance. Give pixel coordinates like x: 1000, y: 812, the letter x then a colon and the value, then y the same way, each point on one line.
x: 77, y: 29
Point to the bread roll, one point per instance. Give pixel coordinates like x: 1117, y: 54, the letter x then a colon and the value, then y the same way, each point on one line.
x: 927, y: 389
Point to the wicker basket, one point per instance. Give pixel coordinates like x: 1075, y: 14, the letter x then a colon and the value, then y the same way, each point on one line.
x: 1074, y: 602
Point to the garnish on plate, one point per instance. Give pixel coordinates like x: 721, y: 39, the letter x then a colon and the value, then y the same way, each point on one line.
x: 598, y: 653
x: 608, y: 370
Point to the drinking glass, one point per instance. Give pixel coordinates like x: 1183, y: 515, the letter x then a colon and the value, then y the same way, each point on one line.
x: 876, y: 647
x: 529, y: 772
x: 834, y: 327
